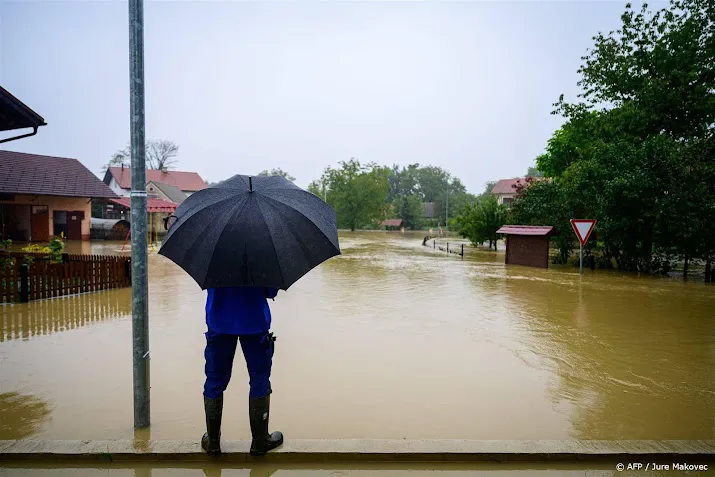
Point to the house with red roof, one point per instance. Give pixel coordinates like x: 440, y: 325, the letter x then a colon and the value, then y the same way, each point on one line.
x: 505, y: 189
x: 45, y: 196
x: 119, y: 180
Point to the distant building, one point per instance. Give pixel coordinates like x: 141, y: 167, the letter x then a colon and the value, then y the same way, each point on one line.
x: 393, y: 224
x: 119, y: 179
x: 45, y: 196
x: 429, y: 210
x: 505, y: 189
x: 158, y: 190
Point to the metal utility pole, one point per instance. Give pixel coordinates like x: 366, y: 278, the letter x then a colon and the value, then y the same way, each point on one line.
x: 140, y: 308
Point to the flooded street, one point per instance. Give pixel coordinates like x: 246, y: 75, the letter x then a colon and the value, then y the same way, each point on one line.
x: 390, y: 340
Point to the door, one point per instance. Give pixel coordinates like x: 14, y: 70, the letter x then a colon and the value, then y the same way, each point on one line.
x: 40, y: 223
x: 74, y: 225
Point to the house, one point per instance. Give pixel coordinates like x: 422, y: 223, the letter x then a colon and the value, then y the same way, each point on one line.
x: 14, y: 114
x: 119, y: 179
x: 505, y: 189
x: 159, y: 190
x: 44, y: 196
x: 527, y: 245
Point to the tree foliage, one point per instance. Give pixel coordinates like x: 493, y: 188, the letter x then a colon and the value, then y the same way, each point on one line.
x: 636, y: 153
x: 357, y: 192
x: 480, y: 221
x: 277, y: 172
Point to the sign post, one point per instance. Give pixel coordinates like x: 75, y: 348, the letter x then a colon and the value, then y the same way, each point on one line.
x: 583, y: 229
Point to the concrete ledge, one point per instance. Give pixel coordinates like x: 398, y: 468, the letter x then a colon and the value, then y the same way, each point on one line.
x: 358, y: 450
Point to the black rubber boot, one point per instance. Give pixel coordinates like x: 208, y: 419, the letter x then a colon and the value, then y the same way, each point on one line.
x: 258, y: 411
x: 211, y: 441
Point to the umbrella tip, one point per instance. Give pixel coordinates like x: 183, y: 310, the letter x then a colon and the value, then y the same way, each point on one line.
x: 250, y: 184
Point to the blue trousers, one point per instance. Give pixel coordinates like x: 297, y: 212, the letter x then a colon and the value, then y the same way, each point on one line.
x: 220, y: 351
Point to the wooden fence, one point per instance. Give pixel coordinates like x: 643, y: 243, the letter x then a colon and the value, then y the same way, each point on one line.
x: 455, y: 247
x: 77, y: 274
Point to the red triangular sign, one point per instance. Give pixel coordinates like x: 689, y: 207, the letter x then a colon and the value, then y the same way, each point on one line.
x: 583, y: 229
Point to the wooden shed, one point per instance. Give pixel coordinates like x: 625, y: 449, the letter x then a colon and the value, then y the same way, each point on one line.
x: 527, y: 244
x: 393, y: 224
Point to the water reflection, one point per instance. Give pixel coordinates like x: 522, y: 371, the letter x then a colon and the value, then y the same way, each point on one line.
x: 21, y: 415
x: 633, y: 355
x: 44, y: 317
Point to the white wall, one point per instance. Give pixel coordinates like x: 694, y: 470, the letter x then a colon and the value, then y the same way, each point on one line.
x: 114, y: 185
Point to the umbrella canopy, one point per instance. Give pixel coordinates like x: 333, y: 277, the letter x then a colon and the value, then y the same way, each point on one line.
x: 251, y: 231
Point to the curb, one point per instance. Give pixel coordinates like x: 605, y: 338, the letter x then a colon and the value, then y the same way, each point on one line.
x: 362, y: 450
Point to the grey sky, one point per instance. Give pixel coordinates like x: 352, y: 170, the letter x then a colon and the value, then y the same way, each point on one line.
x: 467, y: 86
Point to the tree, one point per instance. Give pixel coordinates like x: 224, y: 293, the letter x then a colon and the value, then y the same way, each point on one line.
x: 277, y: 172
x: 636, y: 153
x: 533, y: 172
x: 160, y: 155
x: 480, y: 221
x: 410, y: 209
x: 488, y: 188
x: 357, y: 192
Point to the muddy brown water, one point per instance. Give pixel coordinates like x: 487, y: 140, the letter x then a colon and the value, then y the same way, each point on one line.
x: 365, y: 470
x: 391, y: 340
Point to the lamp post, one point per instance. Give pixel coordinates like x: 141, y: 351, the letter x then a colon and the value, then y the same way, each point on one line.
x: 140, y: 310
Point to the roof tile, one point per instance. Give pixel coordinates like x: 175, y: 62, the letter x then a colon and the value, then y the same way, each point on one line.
x: 186, y: 181
x: 33, y: 174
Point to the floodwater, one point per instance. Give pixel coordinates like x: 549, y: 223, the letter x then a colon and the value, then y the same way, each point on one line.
x: 390, y: 340
x: 365, y: 470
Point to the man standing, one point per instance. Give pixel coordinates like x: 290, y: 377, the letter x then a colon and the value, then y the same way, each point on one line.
x: 233, y: 315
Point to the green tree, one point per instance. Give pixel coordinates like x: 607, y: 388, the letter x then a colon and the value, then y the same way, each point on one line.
x: 357, y: 192
x: 277, y: 172
x: 636, y: 153
x: 480, y: 221
x: 534, y: 172
x: 410, y: 209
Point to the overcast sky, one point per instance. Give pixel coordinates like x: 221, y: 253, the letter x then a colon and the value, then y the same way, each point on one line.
x: 243, y: 86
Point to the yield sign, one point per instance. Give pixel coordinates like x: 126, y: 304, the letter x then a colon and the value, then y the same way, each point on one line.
x: 583, y: 229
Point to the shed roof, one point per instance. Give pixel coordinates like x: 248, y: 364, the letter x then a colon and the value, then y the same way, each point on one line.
x: 393, y: 223
x: 186, y: 181
x: 527, y: 230
x: 14, y: 114
x: 152, y: 205
x: 33, y: 174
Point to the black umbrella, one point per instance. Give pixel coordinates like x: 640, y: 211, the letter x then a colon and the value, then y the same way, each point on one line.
x: 251, y: 231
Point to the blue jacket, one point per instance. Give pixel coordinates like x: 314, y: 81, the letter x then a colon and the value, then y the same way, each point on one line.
x: 239, y: 310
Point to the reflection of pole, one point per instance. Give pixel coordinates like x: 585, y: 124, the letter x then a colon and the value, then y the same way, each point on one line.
x: 140, y: 311
x: 580, y: 252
